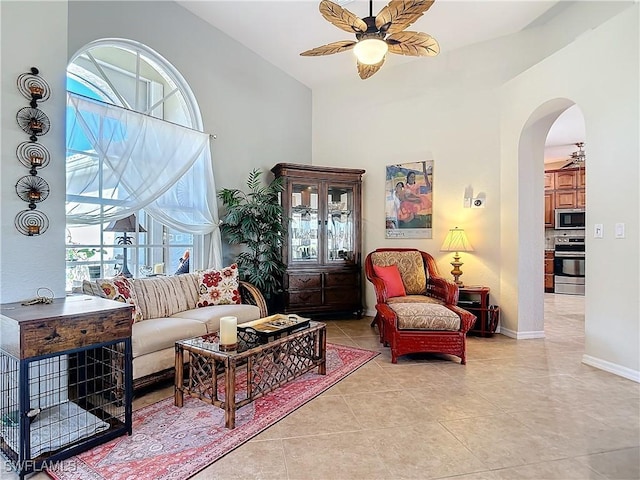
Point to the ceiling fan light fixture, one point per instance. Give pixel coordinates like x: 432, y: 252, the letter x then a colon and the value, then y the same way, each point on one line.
x: 370, y: 51
x: 377, y: 35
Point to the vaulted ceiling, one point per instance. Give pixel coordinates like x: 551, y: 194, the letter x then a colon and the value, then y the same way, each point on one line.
x: 279, y: 30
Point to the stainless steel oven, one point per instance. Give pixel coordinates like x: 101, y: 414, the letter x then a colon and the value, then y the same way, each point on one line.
x: 569, y: 264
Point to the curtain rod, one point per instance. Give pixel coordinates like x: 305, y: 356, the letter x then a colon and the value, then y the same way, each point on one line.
x: 211, y: 135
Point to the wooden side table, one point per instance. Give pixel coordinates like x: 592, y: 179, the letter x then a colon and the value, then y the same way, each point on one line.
x: 475, y: 299
x: 66, y: 378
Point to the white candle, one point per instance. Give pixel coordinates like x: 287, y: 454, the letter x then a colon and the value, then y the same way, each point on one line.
x: 228, y: 330
x: 158, y: 268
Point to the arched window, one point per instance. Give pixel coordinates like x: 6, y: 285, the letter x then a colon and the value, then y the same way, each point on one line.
x: 140, y: 188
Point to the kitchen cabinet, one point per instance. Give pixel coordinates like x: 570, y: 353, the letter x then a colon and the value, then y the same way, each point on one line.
x: 323, y: 248
x: 549, y: 181
x: 548, y: 271
x: 566, y: 198
x: 563, y: 189
x: 582, y: 178
x: 549, y: 209
x: 566, y: 179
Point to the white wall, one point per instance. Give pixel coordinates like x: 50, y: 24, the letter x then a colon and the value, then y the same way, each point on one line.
x: 27, y: 263
x: 456, y: 109
x: 260, y: 115
x: 607, y: 92
x: 452, y: 126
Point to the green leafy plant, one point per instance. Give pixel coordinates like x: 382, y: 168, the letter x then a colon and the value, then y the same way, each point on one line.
x: 74, y: 254
x: 256, y: 221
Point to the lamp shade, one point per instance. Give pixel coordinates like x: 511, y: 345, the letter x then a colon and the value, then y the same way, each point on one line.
x: 370, y: 51
x: 127, y: 224
x: 456, y: 241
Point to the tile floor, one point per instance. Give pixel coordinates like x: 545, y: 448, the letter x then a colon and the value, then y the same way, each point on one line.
x: 525, y: 409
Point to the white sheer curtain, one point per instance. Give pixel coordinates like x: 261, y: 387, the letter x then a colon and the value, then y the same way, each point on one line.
x: 120, y: 161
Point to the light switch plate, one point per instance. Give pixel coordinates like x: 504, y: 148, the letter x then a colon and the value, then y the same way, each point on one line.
x: 619, y: 230
x: 598, y: 231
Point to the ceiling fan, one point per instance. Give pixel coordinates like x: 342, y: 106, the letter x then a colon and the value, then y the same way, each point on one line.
x: 375, y: 36
x: 577, y: 158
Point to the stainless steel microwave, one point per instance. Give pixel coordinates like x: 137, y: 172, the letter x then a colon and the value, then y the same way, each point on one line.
x: 570, y: 218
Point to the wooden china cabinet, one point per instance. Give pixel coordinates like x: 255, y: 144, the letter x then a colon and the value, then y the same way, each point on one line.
x: 323, y: 248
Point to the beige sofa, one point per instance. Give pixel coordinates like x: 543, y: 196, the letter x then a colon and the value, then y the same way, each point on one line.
x: 166, y: 311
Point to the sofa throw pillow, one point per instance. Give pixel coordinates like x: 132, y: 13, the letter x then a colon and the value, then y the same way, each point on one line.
x: 219, y: 287
x: 390, y: 275
x: 121, y: 289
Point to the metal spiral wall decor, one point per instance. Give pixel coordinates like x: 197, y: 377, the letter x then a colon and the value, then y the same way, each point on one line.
x: 33, y: 121
x: 33, y: 87
x: 32, y: 188
x: 33, y: 156
x: 31, y: 222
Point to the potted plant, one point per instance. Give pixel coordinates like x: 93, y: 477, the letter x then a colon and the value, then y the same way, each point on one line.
x: 255, y: 221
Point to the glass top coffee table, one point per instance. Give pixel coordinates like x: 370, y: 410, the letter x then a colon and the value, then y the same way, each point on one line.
x: 232, y: 379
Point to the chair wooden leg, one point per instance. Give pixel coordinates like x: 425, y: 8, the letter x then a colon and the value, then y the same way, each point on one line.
x: 377, y: 320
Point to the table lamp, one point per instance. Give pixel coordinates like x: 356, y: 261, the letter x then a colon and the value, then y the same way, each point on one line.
x: 125, y: 225
x: 456, y: 241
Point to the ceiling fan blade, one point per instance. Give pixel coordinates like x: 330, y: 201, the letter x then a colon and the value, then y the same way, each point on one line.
x: 330, y: 48
x: 415, y: 44
x: 568, y: 164
x: 400, y: 14
x: 365, y: 71
x: 342, y: 18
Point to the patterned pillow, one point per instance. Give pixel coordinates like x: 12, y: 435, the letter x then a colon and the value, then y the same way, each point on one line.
x: 410, y: 265
x: 121, y: 289
x: 219, y: 287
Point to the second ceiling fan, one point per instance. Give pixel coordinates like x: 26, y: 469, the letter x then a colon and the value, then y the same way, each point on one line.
x: 375, y: 36
x: 577, y: 158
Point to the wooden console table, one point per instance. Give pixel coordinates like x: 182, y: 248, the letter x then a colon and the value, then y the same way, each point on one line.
x: 61, y: 366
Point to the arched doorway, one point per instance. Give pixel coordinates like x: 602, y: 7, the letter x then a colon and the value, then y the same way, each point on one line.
x: 531, y: 244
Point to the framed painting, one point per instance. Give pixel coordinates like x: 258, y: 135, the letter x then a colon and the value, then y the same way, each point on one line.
x: 409, y: 200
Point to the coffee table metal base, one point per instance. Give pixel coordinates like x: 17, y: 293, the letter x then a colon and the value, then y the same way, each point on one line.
x: 212, y: 375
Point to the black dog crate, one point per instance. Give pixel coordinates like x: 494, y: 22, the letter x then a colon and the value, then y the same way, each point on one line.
x: 57, y: 400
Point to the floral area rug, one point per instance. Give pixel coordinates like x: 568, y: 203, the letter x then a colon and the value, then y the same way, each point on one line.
x: 175, y: 443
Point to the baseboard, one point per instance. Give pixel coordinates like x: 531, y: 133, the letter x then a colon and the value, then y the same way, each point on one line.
x: 521, y: 335
x: 619, y: 370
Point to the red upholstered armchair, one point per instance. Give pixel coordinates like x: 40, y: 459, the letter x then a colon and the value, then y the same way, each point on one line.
x: 416, y: 307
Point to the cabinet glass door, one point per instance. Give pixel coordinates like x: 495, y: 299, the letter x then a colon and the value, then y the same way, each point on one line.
x: 304, y: 223
x: 340, y: 224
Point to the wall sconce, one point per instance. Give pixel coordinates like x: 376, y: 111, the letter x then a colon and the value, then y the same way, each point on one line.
x: 456, y: 241
x: 471, y: 201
